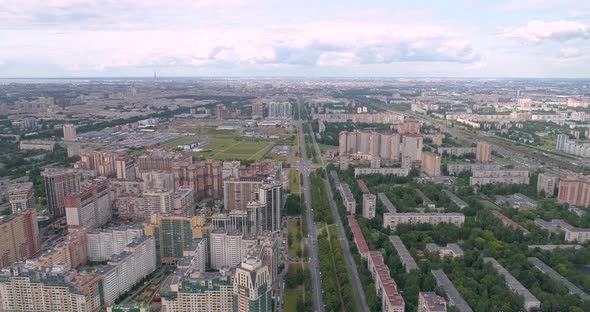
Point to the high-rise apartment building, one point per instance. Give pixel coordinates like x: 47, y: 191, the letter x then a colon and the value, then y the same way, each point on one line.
x: 173, y: 233
x: 59, y: 183
x: 257, y: 109
x: 546, y: 183
x: 271, y: 195
x: 102, y: 244
x: 69, y: 133
x: 574, y: 191
x: 384, y: 145
x: 195, y: 290
x: 125, y: 168
x: 484, y: 152
x: 157, y: 180
x: 431, y: 164
x: 252, y: 287
x: 55, y: 289
x: 20, y: 196
x: 279, y: 110
x: 204, y: 177
x: 237, y: 193
x: 127, y: 269
x: 226, y: 248
x: 161, y: 159
x: 411, y: 148
x: 13, y: 245
x: 91, y: 207
x: 409, y: 127
x: 31, y: 227
x: 561, y: 141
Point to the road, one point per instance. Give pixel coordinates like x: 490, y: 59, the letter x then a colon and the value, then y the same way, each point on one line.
x: 359, y: 293
x: 304, y: 167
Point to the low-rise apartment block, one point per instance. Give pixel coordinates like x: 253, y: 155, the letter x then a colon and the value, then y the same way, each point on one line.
x: 394, y: 219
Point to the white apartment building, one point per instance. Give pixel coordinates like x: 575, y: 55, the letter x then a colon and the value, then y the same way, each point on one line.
x: 102, y: 244
x: 393, y: 219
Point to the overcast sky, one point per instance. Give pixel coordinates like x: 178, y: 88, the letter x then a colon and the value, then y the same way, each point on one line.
x: 362, y: 38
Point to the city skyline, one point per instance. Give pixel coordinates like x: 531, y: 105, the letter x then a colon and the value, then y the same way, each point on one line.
x: 237, y: 38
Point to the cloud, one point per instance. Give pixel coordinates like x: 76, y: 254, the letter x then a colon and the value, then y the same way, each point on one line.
x: 569, y: 53
x: 537, y: 31
x: 327, y: 44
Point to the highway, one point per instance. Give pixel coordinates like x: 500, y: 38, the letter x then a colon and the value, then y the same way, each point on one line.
x: 357, y: 288
x: 304, y: 167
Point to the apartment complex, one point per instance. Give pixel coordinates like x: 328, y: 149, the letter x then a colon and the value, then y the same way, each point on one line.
x: 484, y: 177
x: 456, y: 151
x: 31, y: 290
x: 431, y: 302
x: 358, y: 237
x: 69, y: 131
x: 279, y: 110
x: 252, y: 288
x: 369, y: 205
x: 379, y: 118
x: 546, y: 183
x: 574, y: 191
x: 385, y: 286
x: 431, y: 164
x: 572, y: 234
x: 484, y: 152
x: 529, y: 300
x: 457, y: 168
x: 393, y: 219
x: 195, y: 290
x: 204, y: 177
x: 172, y: 233
x: 91, y: 206
x: 402, y: 172
x: 20, y: 196
x: 102, y: 244
x: 161, y: 159
x: 348, y: 198
x: 408, y: 127
x: 59, y: 183
x: 384, y: 145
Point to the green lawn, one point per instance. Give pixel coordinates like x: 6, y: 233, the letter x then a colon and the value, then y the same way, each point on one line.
x: 295, y: 178
x: 488, y: 204
x: 231, y: 149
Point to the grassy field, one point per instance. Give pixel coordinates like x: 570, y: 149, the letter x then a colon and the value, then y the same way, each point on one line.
x: 295, y: 181
x: 230, y: 149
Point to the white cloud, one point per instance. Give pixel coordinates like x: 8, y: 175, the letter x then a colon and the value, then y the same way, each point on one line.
x: 329, y: 44
x: 537, y: 31
x: 569, y: 53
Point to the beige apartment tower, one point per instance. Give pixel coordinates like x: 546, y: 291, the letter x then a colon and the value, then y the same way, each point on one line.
x: 484, y: 152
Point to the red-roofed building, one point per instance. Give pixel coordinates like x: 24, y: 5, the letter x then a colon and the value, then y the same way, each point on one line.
x: 509, y: 222
x: 359, y: 239
x: 362, y: 186
x: 385, y: 286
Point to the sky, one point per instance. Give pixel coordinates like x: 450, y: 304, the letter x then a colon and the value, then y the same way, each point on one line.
x: 304, y: 38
